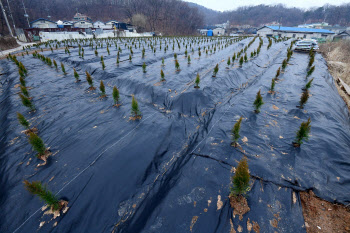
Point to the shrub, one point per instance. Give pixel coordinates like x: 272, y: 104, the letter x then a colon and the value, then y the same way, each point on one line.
x: 303, y: 99
x: 162, y: 75
x: 26, y: 102
x: 102, y: 89
x: 310, y: 71
x: 241, y: 61
x: 115, y: 95
x: 130, y: 58
x: 22, y: 120
x: 37, y: 144
x: 245, y: 57
x: 234, y: 57
x: 117, y: 60
x: 55, y: 64
x: 272, y: 88
x: 96, y: 53
x: 258, y: 102
x: 308, y: 85
x: 240, y: 181
x: 89, y: 79
x: 144, y: 67
x: 20, y: 72
x: 197, y: 81
x: 135, y: 107
x: 22, y: 81
x: 63, y: 69
x: 216, y: 70
x: 24, y: 91
x: 228, y: 61
x: 311, y: 61
x: 103, y: 65
x: 189, y: 59
x: 303, y: 133
x: 36, y: 188
x: 175, y: 56
x: 235, y: 131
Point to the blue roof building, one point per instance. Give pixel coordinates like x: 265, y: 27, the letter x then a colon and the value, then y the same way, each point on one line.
x: 295, y: 32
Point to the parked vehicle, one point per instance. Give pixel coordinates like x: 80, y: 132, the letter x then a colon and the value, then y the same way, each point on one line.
x: 306, y: 45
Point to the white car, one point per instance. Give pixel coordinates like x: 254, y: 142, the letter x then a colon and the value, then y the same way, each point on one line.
x: 306, y: 45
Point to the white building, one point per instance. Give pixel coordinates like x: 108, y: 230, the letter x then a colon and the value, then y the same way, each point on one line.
x: 82, y: 24
x: 219, y: 32
x: 43, y: 23
x: 99, y: 24
x: 294, y: 32
x: 111, y: 23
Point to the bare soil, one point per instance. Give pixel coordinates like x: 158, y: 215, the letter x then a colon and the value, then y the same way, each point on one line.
x: 8, y: 43
x: 239, y: 205
x: 323, y: 216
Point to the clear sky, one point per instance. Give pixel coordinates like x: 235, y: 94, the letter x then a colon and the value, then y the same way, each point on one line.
x: 223, y: 5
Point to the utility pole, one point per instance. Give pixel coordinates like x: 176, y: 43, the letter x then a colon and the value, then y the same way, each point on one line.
x: 7, y: 22
x: 14, y: 26
x: 25, y: 14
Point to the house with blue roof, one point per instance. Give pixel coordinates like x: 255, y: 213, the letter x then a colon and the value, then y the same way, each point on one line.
x: 43, y: 23
x: 295, y: 32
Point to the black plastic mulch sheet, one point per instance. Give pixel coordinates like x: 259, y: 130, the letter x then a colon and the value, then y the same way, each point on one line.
x: 171, y: 171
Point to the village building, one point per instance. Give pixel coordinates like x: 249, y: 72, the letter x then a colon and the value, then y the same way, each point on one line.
x: 80, y: 16
x: 344, y: 35
x: 43, y: 23
x: 110, y: 24
x: 99, y: 24
x: 295, y: 32
x: 82, y: 24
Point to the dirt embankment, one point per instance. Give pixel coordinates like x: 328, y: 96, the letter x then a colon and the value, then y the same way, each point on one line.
x: 8, y: 43
x: 338, y: 59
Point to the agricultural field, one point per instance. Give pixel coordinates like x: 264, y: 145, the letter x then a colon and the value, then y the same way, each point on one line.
x: 145, y: 135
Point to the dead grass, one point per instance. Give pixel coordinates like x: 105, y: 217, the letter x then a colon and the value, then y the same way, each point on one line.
x: 338, y: 60
x: 8, y: 43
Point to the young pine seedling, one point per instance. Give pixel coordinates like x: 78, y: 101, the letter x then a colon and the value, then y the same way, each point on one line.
x: 308, y: 85
x: 22, y: 81
x: 216, y: 70
x: 36, y: 188
x: 162, y: 75
x: 240, y: 181
x: 135, y: 108
x: 102, y: 89
x: 245, y: 57
x: 241, y: 61
x: 144, y: 66
x: 228, y: 61
x: 162, y: 61
x: 284, y: 64
x: 235, y: 132
x: 310, y: 71
x: 103, y: 65
x: 272, y: 88
x: 22, y: 120
x: 278, y: 72
x: 89, y: 80
x: 63, y: 69
x: 55, y: 64
x: 76, y: 75
x: 116, y: 96
x: 37, y: 144
x: 303, y: 99
x: 189, y: 59
x: 26, y: 102
x: 258, y: 102
x: 197, y: 81
x: 24, y: 91
x: 303, y: 133
x: 177, y: 65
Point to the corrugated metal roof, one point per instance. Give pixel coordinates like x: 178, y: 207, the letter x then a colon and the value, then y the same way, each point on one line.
x: 42, y: 19
x: 295, y: 29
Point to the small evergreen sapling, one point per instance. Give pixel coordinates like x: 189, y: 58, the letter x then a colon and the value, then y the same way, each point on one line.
x: 272, y: 88
x: 144, y: 67
x: 22, y: 120
x: 162, y: 75
x: 116, y: 96
x: 278, y: 72
x: 22, y: 81
x: 302, y: 133
x: 308, y: 85
x: 177, y: 65
x: 258, y: 102
x: 26, y: 102
x: 189, y: 59
x: 102, y: 89
x: 310, y: 71
x: 303, y: 99
x: 216, y: 70
x: 284, y: 64
x: 63, y: 69
x: 89, y: 80
x: 228, y: 61
x: 76, y: 75
x: 235, y: 132
x: 37, y: 144
x: 135, y: 108
x: 197, y: 81
x: 55, y: 64
x: 241, y: 61
x: 24, y: 91
x: 36, y: 188
x: 240, y: 181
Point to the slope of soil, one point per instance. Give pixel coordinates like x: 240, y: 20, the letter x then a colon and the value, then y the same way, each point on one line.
x: 8, y: 43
